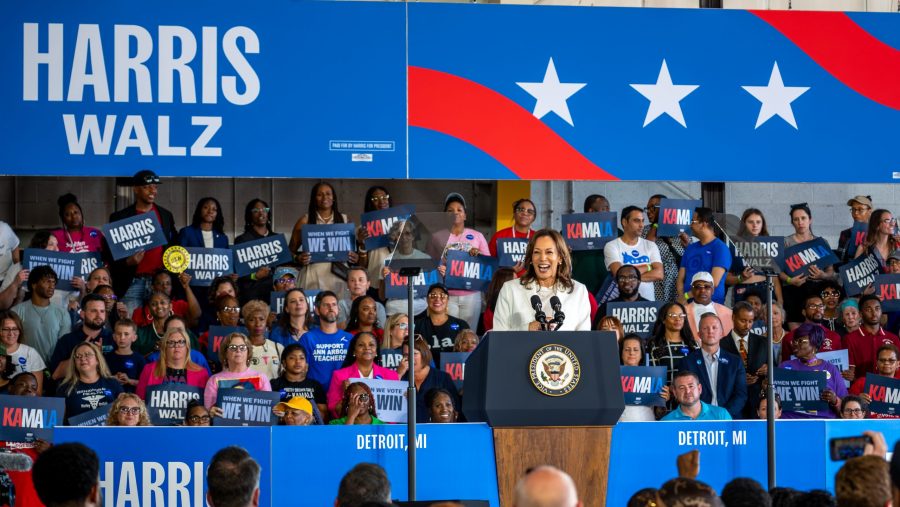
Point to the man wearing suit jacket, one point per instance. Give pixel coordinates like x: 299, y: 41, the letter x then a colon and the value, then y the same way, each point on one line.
x: 751, y: 348
x: 721, y: 373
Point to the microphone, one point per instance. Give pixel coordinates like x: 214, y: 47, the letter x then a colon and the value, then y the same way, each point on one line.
x: 14, y: 461
x: 558, y: 316
x: 538, y: 311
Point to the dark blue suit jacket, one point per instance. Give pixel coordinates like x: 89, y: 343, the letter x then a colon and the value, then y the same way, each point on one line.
x: 193, y: 237
x: 731, y: 388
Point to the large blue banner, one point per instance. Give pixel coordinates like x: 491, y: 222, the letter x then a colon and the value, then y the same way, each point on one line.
x: 293, y: 89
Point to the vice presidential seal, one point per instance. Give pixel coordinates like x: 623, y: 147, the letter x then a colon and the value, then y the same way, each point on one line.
x: 555, y: 370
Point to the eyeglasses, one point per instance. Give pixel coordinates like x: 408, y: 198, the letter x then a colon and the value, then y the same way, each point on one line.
x: 859, y: 209
x: 176, y: 344
x: 109, y: 297
x: 380, y: 198
x: 831, y: 294
x: 232, y: 309
x: 676, y: 315
x: 699, y: 286
x: 854, y: 411
x: 287, y: 280
x: 814, y: 306
x: 628, y: 277
x: 648, y: 208
x: 801, y: 341
x: 10, y: 330
x: 237, y: 348
x: 403, y: 325
x: 527, y: 211
x: 257, y: 211
x: 130, y: 410
x: 888, y: 220
x: 437, y: 296
x: 86, y: 355
x: 198, y: 418
x: 886, y: 360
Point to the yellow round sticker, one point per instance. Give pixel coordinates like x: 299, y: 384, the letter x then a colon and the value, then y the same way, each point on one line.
x: 176, y: 259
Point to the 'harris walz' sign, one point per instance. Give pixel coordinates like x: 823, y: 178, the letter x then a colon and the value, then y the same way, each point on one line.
x: 166, y: 402
x: 798, y: 258
x: 469, y: 272
x: 133, y: 234
x: 761, y: 252
x: 328, y: 242
x: 378, y: 223
x: 675, y: 216
x: 207, y: 264
x: 252, y: 255
x: 636, y: 317
x: 589, y: 231
x: 511, y: 251
x: 857, y: 274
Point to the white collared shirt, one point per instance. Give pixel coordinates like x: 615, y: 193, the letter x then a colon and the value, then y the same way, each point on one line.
x: 711, y: 361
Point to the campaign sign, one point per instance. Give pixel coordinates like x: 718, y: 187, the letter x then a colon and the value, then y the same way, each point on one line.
x: 511, y: 251
x: 133, y: 234
x: 608, y: 291
x: 887, y: 287
x: 329, y: 242
x: 89, y: 262
x: 798, y: 258
x: 276, y: 299
x: 885, y: 394
x: 636, y: 317
x: 454, y: 364
x: 675, y: 216
x: 390, y: 398
x: 65, y: 265
x: 166, y: 402
x: 25, y: 418
x: 378, y: 223
x: 269, y: 251
x: 859, y: 273
x: 857, y: 237
x: 839, y: 358
x: 390, y: 358
x: 96, y: 417
x: 395, y: 284
x: 641, y: 385
x: 800, y: 390
x: 207, y: 264
x: 216, y: 335
x: 243, y: 407
x: 469, y: 272
x: 166, y: 465
x: 761, y: 252
x: 589, y: 231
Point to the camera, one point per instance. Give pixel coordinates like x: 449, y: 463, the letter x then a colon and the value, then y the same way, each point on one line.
x: 364, y: 398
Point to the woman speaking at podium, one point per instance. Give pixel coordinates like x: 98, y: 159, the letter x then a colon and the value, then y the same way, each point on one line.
x: 545, y: 297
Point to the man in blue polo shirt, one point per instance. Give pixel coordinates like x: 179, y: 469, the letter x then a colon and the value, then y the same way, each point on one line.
x: 709, y: 254
x: 326, y: 345
x: 686, y: 385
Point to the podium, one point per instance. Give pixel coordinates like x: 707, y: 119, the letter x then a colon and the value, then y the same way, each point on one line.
x: 551, y: 398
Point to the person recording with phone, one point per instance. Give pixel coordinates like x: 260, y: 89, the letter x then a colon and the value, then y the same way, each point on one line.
x: 545, y: 297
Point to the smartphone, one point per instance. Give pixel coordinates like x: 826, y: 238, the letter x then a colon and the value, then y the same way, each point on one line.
x: 844, y: 448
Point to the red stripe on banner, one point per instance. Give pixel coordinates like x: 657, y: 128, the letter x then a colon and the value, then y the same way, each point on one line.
x: 495, y: 124
x: 846, y: 51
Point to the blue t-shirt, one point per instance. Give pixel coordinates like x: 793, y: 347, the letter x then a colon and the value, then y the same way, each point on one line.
x: 87, y: 397
x: 324, y: 352
x: 698, y: 257
x: 707, y: 413
x: 129, y: 365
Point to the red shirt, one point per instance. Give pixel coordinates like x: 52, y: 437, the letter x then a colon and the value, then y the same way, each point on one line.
x: 142, y: 317
x: 862, y: 348
x: 152, y: 260
x: 509, y: 232
x: 832, y: 342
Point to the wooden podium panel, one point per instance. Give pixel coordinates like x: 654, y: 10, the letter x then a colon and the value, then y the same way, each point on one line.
x: 582, y: 452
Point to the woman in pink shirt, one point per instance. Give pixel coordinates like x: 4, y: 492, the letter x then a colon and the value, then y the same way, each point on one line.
x: 174, y: 365
x: 235, y: 353
x: 74, y: 237
x: 359, y: 363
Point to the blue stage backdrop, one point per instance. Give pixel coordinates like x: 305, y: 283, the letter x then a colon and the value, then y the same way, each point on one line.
x: 302, y: 89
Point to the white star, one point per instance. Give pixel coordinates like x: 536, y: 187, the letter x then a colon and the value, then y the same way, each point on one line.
x: 776, y: 98
x: 551, y: 95
x: 664, y: 96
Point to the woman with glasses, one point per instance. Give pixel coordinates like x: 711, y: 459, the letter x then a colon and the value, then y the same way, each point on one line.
x: 21, y: 357
x: 128, y: 410
x: 860, y: 211
x: 87, y: 384
x: 323, y: 209
x: 257, y: 225
x: 524, y: 214
x: 672, y: 339
x: 221, y: 286
x: 173, y: 366
x: 235, y: 354
x: 376, y: 198
x: 228, y: 313
x: 882, y: 238
x: 361, y: 361
x: 886, y: 366
x: 795, y: 288
x: 294, y: 319
x: 436, y: 324
x: 196, y: 414
x: 807, y: 340
x: 395, y: 332
x: 743, y: 277
x: 403, y: 236
x: 832, y: 295
x: 854, y: 407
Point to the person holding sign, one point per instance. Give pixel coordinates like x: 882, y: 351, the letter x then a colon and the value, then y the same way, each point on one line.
x: 74, y: 236
x: 796, y: 286
x: 882, y: 239
x: 632, y: 353
x: 357, y: 406
x: 403, y: 246
x: 670, y: 250
x: 362, y: 354
x: 132, y: 274
x: 323, y: 209
x: 860, y: 210
x: 128, y: 410
x: 235, y: 354
x: 807, y: 341
x: 377, y: 198
x: 173, y: 366
x: 709, y: 254
x: 630, y: 249
x: 742, y: 276
x: 524, y: 213
x: 888, y: 356
x: 426, y: 377
x: 548, y: 275
x: 88, y: 383
x: 257, y: 225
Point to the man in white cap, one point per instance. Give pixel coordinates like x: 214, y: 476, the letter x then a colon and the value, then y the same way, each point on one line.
x: 701, y: 302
